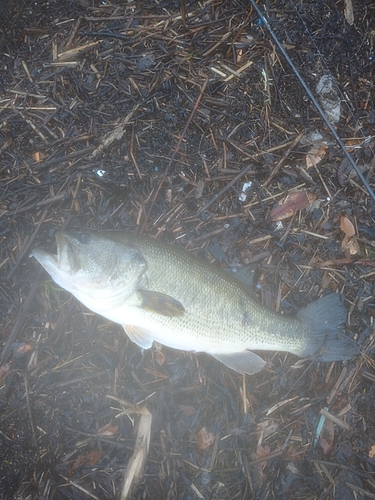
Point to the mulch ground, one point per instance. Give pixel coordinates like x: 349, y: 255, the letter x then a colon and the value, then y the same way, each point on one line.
x: 182, y: 120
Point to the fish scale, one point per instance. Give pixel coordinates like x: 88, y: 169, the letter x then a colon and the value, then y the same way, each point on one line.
x: 161, y: 293
x: 217, y: 303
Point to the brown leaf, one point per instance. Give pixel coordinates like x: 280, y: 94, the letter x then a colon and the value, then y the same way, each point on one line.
x: 204, y: 439
x: 160, y: 357
x: 346, y: 226
x: 260, y: 453
x: 352, y: 144
x: 108, y: 430
x: 266, y: 428
x: 352, y: 246
x: 315, y: 155
x: 349, y: 244
x: 327, y: 436
x: 24, y: 348
x: 288, y: 206
x: 371, y: 453
x: 90, y: 458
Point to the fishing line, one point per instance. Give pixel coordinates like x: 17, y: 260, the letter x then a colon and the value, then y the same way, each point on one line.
x: 338, y: 89
x: 313, y: 99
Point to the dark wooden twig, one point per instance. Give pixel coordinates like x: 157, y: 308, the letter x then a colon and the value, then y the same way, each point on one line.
x: 179, y: 142
x: 183, y: 12
x: 241, y: 149
x: 38, y: 204
x: 49, y: 163
x: 28, y: 245
x: 314, y: 101
x: 73, y: 34
x: 229, y: 185
x: 188, y: 122
x: 20, y: 321
x: 132, y: 156
x: 31, y: 417
x: 267, y: 182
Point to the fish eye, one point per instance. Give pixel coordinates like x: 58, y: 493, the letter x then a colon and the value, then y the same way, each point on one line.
x: 84, y: 238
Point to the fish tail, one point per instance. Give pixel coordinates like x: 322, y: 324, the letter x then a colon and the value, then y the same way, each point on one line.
x: 323, y: 321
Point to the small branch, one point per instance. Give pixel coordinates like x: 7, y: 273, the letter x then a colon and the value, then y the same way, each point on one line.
x: 27, y: 394
x: 179, y: 142
x: 229, y: 185
x: 267, y: 182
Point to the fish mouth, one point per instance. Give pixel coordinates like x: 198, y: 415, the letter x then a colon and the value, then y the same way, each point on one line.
x: 50, y: 261
x: 60, y: 245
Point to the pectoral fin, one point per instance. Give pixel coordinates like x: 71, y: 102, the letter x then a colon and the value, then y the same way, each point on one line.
x: 160, y: 303
x: 138, y: 336
x: 242, y: 362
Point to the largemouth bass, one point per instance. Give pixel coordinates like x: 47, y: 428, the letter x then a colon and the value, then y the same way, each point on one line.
x: 158, y: 292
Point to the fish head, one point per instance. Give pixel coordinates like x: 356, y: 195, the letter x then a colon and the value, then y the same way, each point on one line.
x: 94, y: 265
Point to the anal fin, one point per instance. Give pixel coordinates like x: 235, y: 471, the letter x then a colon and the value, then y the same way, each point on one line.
x: 139, y: 336
x: 241, y: 362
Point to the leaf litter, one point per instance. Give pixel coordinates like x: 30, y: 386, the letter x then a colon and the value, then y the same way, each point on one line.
x: 184, y: 122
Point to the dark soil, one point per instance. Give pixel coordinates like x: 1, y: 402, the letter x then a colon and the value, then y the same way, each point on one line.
x: 139, y: 116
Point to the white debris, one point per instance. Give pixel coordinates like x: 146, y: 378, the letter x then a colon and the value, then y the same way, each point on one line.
x: 245, y: 187
x: 329, y: 98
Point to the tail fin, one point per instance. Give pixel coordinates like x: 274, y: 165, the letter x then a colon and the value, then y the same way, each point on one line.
x: 324, y: 320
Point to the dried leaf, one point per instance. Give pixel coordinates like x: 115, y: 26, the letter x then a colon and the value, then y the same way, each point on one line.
x: 260, y: 453
x: 352, y: 144
x: 108, y: 430
x: 90, y: 458
x: 160, y: 357
x: 239, y: 55
x: 371, y: 453
x: 266, y: 428
x: 204, y: 439
x: 352, y: 246
x: 315, y: 155
x: 19, y: 349
x: 349, y: 244
x: 329, y: 98
x: 327, y: 436
x: 288, y: 206
x: 346, y: 226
